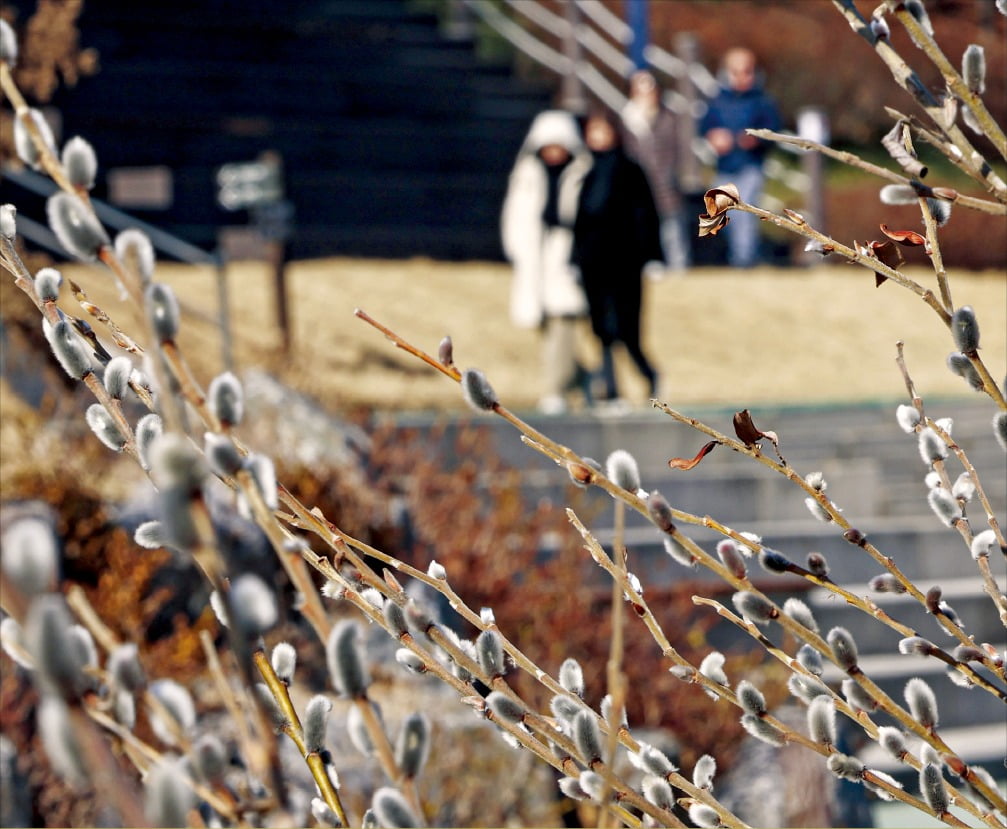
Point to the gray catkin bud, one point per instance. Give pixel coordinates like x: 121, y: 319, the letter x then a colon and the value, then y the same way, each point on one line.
x: 13, y: 644
x: 712, y: 667
x: 703, y: 772
x: 8, y: 221
x: 151, y: 535
x: 284, y: 661
x: 67, y: 347
x: 316, y: 717
x: 162, y: 311
x: 395, y: 618
x: 253, y: 604
x: 932, y: 788
x: 961, y: 365
x: 104, y: 427
x: 754, y: 607
x: 800, y: 613
x: 8, y: 44
x: 148, y: 429
x: 983, y: 544
x: 47, y: 639
x: 412, y: 748
x: 593, y: 786
x: 965, y: 329
x: 124, y: 708
x: 674, y: 549
x: 652, y: 761
x: 178, y: 704
x: 822, y: 720
x: 264, y: 474
x: 82, y: 642
x: 660, y: 512
x: 940, y: 210
x: 571, y: 677
x: 751, y: 699
x: 565, y: 708
x: 477, y: 391
x: 222, y: 455
x: 226, y: 399
x: 945, y: 506
x: 621, y: 469
x: 810, y: 659
x: 922, y: 702
x: 845, y: 767
x: 116, y: 377
x: 817, y: 510
x: 898, y: 194
x: 323, y: 815
x: 703, y: 815
x: 79, y: 162
x: 75, y: 226
x: 345, y: 662
x: 1000, y: 429
x: 168, y: 796
x: 410, y: 661
x: 932, y: 448
x: 844, y: 648
x: 964, y: 488
x: 570, y: 786
x: 893, y: 741
x: 758, y: 727
x: 125, y: 668
x: 730, y: 555
x: 917, y: 645
x: 133, y: 248
x: 60, y: 742
x: 358, y: 733
x: 657, y: 791
x: 391, y: 809
x: 489, y: 651
x: 773, y: 561
x: 504, y: 708
x: 23, y: 143
x: 47, y: 284
x: 806, y: 688
x: 606, y: 711
x: 587, y: 736
x: 857, y: 697
x: 908, y: 418
x: 974, y: 68
x: 886, y: 583
x: 30, y: 559
x: 208, y: 758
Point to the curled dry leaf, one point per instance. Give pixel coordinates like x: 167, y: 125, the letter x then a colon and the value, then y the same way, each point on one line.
x: 909, y: 238
x: 887, y: 253
x: 748, y: 433
x: 690, y: 463
x: 712, y: 225
x: 720, y: 199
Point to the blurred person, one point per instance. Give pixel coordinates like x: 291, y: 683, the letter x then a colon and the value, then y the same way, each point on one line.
x: 616, y: 234
x: 650, y: 137
x: 741, y: 104
x: 537, y: 220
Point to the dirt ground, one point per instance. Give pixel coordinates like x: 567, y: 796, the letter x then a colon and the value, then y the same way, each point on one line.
x: 719, y: 337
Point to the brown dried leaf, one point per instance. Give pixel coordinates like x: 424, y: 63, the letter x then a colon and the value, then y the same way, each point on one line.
x: 909, y: 238
x: 690, y: 463
x: 720, y: 199
x: 746, y: 430
x: 712, y: 225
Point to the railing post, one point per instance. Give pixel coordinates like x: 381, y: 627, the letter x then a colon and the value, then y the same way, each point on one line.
x: 572, y: 88
x: 813, y: 124
x: 638, y: 18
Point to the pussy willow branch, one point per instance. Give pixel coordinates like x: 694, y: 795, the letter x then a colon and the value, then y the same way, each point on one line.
x: 839, y: 519
x: 936, y: 257
x: 853, y: 160
x: 614, y: 673
x: 841, y: 705
x: 906, y: 78
x: 991, y: 129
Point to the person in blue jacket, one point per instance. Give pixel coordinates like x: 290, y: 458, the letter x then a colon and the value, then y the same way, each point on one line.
x: 741, y: 104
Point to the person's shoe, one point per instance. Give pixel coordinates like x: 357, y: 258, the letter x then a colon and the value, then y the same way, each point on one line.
x: 552, y: 404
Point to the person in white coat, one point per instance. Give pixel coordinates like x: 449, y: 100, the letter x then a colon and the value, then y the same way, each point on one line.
x: 536, y: 226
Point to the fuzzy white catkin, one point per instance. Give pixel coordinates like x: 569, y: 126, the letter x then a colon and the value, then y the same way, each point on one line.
x: 8, y: 221
x: 712, y: 667
x: 753, y: 607
x: 622, y: 470
x: 933, y: 789
x: 964, y: 487
x: 571, y: 677
x: 944, y: 505
x: 264, y: 474
x: 898, y: 194
x: 844, y: 648
x: 800, y: 613
x: 983, y: 544
x: 751, y: 699
x: 759, y: 728
x: 148, y: 429
x: 30, y: 559
x: 8, y: 44
x: 221, y: 454
x: 316, y: 717
x: 79, y: 162
x: 253, y: 603
x: 151, y: 535
x: 345, y: 661
x: 489, y: 650
x: 167, y: 794
x: 116, y: 376
x: 703, y: 815
x: 104, y: 427
x: 13, y: 643
x: 47, y: 284
x: 47, y: 638
x: 822, y: 720
x: 703, y: 772
x: 125, y: 668
x: 974, y: 68
x: 177, y: 703
x: 437, y: 571
x: 412, y: 747
x: 940, y: 210
x: 76, y: 227
x: 67, y: 348
x: 922, y: 702
x: 593, y: 785
x: 209, y: 758
x: 965, y: 329
x: 657, y: 791
x: 932, y: 448
x: 59, y: 741
x: 226, y: 399
x: 409, y: 660
x: 810, y: 659
x: 587, y: 736
x: 134, y: 248
x: 908, y: 418
x: 23, y: 143
x: 652, y: 761
x: 162, y: 311
x: 477, y: 391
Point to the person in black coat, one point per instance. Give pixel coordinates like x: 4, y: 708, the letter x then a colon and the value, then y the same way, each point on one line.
x: 616, y: 232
